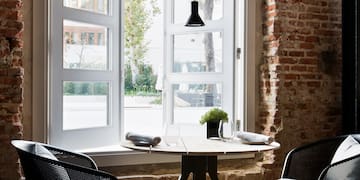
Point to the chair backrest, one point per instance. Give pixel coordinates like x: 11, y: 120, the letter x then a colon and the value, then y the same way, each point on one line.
x: 44, y: 167
x: 348, y: 168
x: 308, y: 161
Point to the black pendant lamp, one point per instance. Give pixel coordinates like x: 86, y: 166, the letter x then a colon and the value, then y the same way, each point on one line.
x: 194, y: 19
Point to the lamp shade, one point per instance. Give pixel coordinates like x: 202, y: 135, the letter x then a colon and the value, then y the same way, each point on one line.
x: 194, y: 19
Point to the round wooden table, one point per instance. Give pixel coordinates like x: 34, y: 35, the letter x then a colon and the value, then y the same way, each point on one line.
x: 199, y: 155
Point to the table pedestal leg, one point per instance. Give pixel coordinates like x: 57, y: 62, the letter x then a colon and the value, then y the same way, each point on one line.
x: 199, y: 165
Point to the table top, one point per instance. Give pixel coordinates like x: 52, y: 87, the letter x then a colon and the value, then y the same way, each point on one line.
x: 202, y: 146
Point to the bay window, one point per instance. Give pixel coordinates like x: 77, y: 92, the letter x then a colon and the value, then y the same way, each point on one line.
x: 121, y: 66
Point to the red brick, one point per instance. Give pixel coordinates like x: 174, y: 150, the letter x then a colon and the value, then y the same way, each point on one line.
x: 331, y: 25
x: 287, y: 60
x: 296, y: 23
x: 327, y: 32
x: 291, y: 76
x: 316, y: 84
x: 312, y: 39
x: 11, y: 80
x: 310, y: 76
x: 296, y: 37
x: 9, y: 32
x: 286, y: 68
x: 288, y: 84
x: 313, y: 24
x: 313, y: 9
x: 312, y: 54
x: 298, y: 68
x: 14, y: 24
x: 296, y: 53
x: 307, y: 46
x: 13, y: 4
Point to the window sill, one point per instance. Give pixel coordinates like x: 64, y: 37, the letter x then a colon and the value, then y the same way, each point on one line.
x: 116, y: 155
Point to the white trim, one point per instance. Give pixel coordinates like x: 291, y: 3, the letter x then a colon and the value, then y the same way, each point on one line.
x: 121, y: 71
x: 251, y: 61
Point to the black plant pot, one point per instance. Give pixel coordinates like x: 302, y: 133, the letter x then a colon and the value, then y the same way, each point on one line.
x: 212, y: 129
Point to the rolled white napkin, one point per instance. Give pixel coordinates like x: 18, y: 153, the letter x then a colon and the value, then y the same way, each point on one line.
x: 254, y: 138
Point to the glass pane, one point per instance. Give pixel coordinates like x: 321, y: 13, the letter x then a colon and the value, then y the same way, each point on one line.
x: 85, y: 104
x: 200, y: 52
x: 143, y: 69
x: 191, y: 101
x: 97, y: 6
x: 208, y: 10
x: 85, y: 46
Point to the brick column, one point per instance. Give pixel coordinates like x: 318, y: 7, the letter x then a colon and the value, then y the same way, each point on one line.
x: 11, y: 85
x: 301, y: 73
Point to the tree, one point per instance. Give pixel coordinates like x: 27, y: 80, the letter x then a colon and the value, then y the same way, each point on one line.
x: 138, y: 20
x: 128, y: 78
x: 208, y: 6
x: 69, y: 88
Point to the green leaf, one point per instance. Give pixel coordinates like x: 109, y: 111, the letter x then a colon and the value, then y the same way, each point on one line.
x: 214, y: 115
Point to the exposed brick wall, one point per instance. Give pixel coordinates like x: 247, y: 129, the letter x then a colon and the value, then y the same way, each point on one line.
x: 11, y: 80
x: 301, y: 73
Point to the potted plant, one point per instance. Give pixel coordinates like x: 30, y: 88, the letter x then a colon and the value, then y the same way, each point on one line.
x: 212, y: 118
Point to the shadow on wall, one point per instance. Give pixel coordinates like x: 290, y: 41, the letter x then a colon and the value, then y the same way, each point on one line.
x: 328, y: 62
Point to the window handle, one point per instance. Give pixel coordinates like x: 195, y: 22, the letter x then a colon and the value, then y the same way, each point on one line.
x: 238, y: 53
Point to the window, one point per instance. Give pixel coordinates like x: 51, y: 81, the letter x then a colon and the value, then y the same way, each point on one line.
x: 199, y: 64
x: 104, y: 83
x: 84, y: 76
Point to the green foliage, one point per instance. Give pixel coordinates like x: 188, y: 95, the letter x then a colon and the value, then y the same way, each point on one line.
x: 128, y: 78
x: 69, y: 88
x: 214, y: 115
x: 85, y: 88
x: 138, y: 20
x: 146, y: 80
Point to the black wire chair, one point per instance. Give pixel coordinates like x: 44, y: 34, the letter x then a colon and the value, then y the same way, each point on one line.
x: 66, y: 165
x: 313, y: 161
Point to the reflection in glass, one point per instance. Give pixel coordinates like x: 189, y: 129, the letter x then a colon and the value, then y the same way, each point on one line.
x: 82, y: 49
x: 143, y: 69
x: 97, y: 6
x: 85, y: 104
x: 200, y: 52
x: 208, y: 10
x: 172, y: 135
x: 191, y: 101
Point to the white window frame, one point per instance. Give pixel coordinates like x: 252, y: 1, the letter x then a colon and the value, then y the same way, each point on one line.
x: 40, y: 116
x: 95, y: 136
x: 225, y: 26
